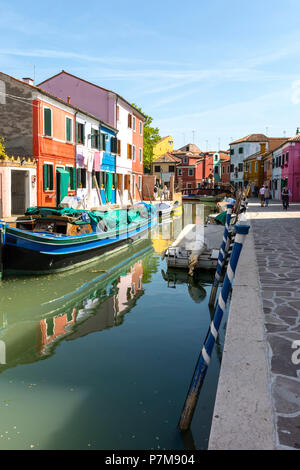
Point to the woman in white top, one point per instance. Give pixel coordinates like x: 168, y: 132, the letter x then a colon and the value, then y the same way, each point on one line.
x: 262, y: 196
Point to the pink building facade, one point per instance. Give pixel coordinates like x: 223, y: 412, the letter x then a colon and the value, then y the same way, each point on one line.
x: 290, y: 167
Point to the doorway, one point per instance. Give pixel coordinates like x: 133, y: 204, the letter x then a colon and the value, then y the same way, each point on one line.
x: 18, y: 191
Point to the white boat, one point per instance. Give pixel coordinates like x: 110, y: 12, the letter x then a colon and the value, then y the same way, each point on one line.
x: 163, y: 209
x: 197, y: 246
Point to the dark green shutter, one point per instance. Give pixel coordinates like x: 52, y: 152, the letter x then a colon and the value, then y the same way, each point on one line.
x: 45, y: 177
x: 47, y: 122
x: 51, y: 176
x: 73, y: 180
x: 68, y: 129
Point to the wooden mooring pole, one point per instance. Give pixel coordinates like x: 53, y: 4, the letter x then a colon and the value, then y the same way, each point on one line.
x: 206, y: 352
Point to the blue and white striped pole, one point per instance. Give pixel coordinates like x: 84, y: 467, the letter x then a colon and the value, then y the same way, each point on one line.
x: 205, y: 355
x: 221, y: 258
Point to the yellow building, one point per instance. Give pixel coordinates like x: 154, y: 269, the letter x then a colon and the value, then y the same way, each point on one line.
x: 163, y: 146
x: 253, y: 170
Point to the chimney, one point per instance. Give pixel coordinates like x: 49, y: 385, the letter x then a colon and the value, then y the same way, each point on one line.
x: 69, y: 99
x: 28, y: 80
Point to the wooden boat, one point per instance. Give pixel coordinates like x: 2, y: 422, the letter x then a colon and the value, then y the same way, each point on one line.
x: 164, y: 210
x: 195, y: 247
x: 176, y: 208
x: 48, y: 240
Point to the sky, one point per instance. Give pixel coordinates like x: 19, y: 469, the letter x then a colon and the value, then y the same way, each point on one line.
x: 206, y: 72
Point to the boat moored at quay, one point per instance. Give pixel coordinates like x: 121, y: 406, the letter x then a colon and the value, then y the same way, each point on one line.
x: 47, y: 240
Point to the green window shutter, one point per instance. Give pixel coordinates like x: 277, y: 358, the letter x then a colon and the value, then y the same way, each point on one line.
x: 45, y: 177
x: 51, y: 176
x: 73, y: 181
x: 47, y: 121
x: 68, y: 129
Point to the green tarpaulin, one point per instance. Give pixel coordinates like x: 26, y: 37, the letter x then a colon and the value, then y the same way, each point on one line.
x: 64, y: 177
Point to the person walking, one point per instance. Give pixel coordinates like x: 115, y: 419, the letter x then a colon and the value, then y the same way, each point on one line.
x: 155, y: 190
x: 165, y: 192
x: 262, y: 196
x: 267, y: 195
x: 285, y: 196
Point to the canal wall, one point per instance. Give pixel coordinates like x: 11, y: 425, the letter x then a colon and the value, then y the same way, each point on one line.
x: 242, y: 418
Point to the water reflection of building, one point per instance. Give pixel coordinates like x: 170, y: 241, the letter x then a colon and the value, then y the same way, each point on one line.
x: 103, y: 309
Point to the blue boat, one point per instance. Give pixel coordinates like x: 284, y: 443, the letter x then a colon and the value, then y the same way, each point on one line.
x: 47, y: 240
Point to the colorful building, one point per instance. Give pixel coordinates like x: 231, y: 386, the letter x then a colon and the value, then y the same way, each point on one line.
x: 286, y: 169
x: 240, y: 150
x: 162, y: 147
x: 217, y: 158
x: 137, y: 156
x: 225, y: 169
x: 110, y: 107
x: 164, y: 167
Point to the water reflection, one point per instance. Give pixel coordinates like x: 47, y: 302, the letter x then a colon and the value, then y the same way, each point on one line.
x: 96, y: 304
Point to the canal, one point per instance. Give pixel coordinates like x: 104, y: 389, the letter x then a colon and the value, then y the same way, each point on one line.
x: 101, y: 357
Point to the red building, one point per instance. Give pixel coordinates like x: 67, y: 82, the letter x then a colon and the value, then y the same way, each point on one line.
x: 195, y: 171
x: 225, y: 168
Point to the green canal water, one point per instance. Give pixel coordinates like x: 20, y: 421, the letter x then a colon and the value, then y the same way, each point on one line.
x: 101, y: 357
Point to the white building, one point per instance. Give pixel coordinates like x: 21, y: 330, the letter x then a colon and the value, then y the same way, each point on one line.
x: 239, y: 151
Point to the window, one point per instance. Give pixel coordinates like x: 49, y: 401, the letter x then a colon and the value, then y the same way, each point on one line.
x: 287, y: 158
x: 241, y: 150
x: 118, y: 113
x: 216, y: 158
x: 119, y: 147
x: 240, y: 167
x: 246, y: 166
x: 140, y: 182
x: 133, y: 153
x: 223, y: 170
x: 189, y: 185
x: 48, y: 177
x: 140, y: 156
x: 72, y: 178
x: 256, y: 167
x: 228, y: 169
x: 157, y: 169
x: 97, y: 175
x: 199, y: 185
x: 141, y: 128
x: 81, y: 177
x: 129, y: 120
x: 129, y: 151
x: 68, y: 129
x: 103, y: 141
x: 48, y: 122
x: 231, y: 151
x: 80, y: 133
x: 114, y: 145
x: 95, y: 139
x: 231, y: 168
x: 283, y: 159
x: 185, y: 160
x: 133, y: 123
x: 179, y: 172
x: 171, y: 168
x: 191, y: 171
x: 216, y: 170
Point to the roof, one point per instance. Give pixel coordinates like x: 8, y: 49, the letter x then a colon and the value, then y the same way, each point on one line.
x: 189, y: 148
x: 69, y: 105
x: 251, y: 138
x: 97, y: 86
x: 167, y: 158
x: 163, y: 138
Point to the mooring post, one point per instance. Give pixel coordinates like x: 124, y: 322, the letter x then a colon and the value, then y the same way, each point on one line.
x: 221, y: 258
x: 205, y: 355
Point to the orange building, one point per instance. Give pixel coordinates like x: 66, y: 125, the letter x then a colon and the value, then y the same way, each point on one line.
x: 54, y: 150
x: 137, y: 156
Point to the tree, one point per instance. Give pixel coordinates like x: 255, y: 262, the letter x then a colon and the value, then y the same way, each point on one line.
x: 2, y: 148
x: 151, y: 136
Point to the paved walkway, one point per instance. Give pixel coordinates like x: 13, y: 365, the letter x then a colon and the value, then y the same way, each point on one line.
x: 258, y: 398
x: 277, y: 246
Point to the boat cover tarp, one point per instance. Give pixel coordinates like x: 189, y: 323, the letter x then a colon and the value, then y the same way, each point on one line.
x: 112, y: 218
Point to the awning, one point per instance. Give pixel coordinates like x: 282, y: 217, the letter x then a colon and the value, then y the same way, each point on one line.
x: 63, y: 183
